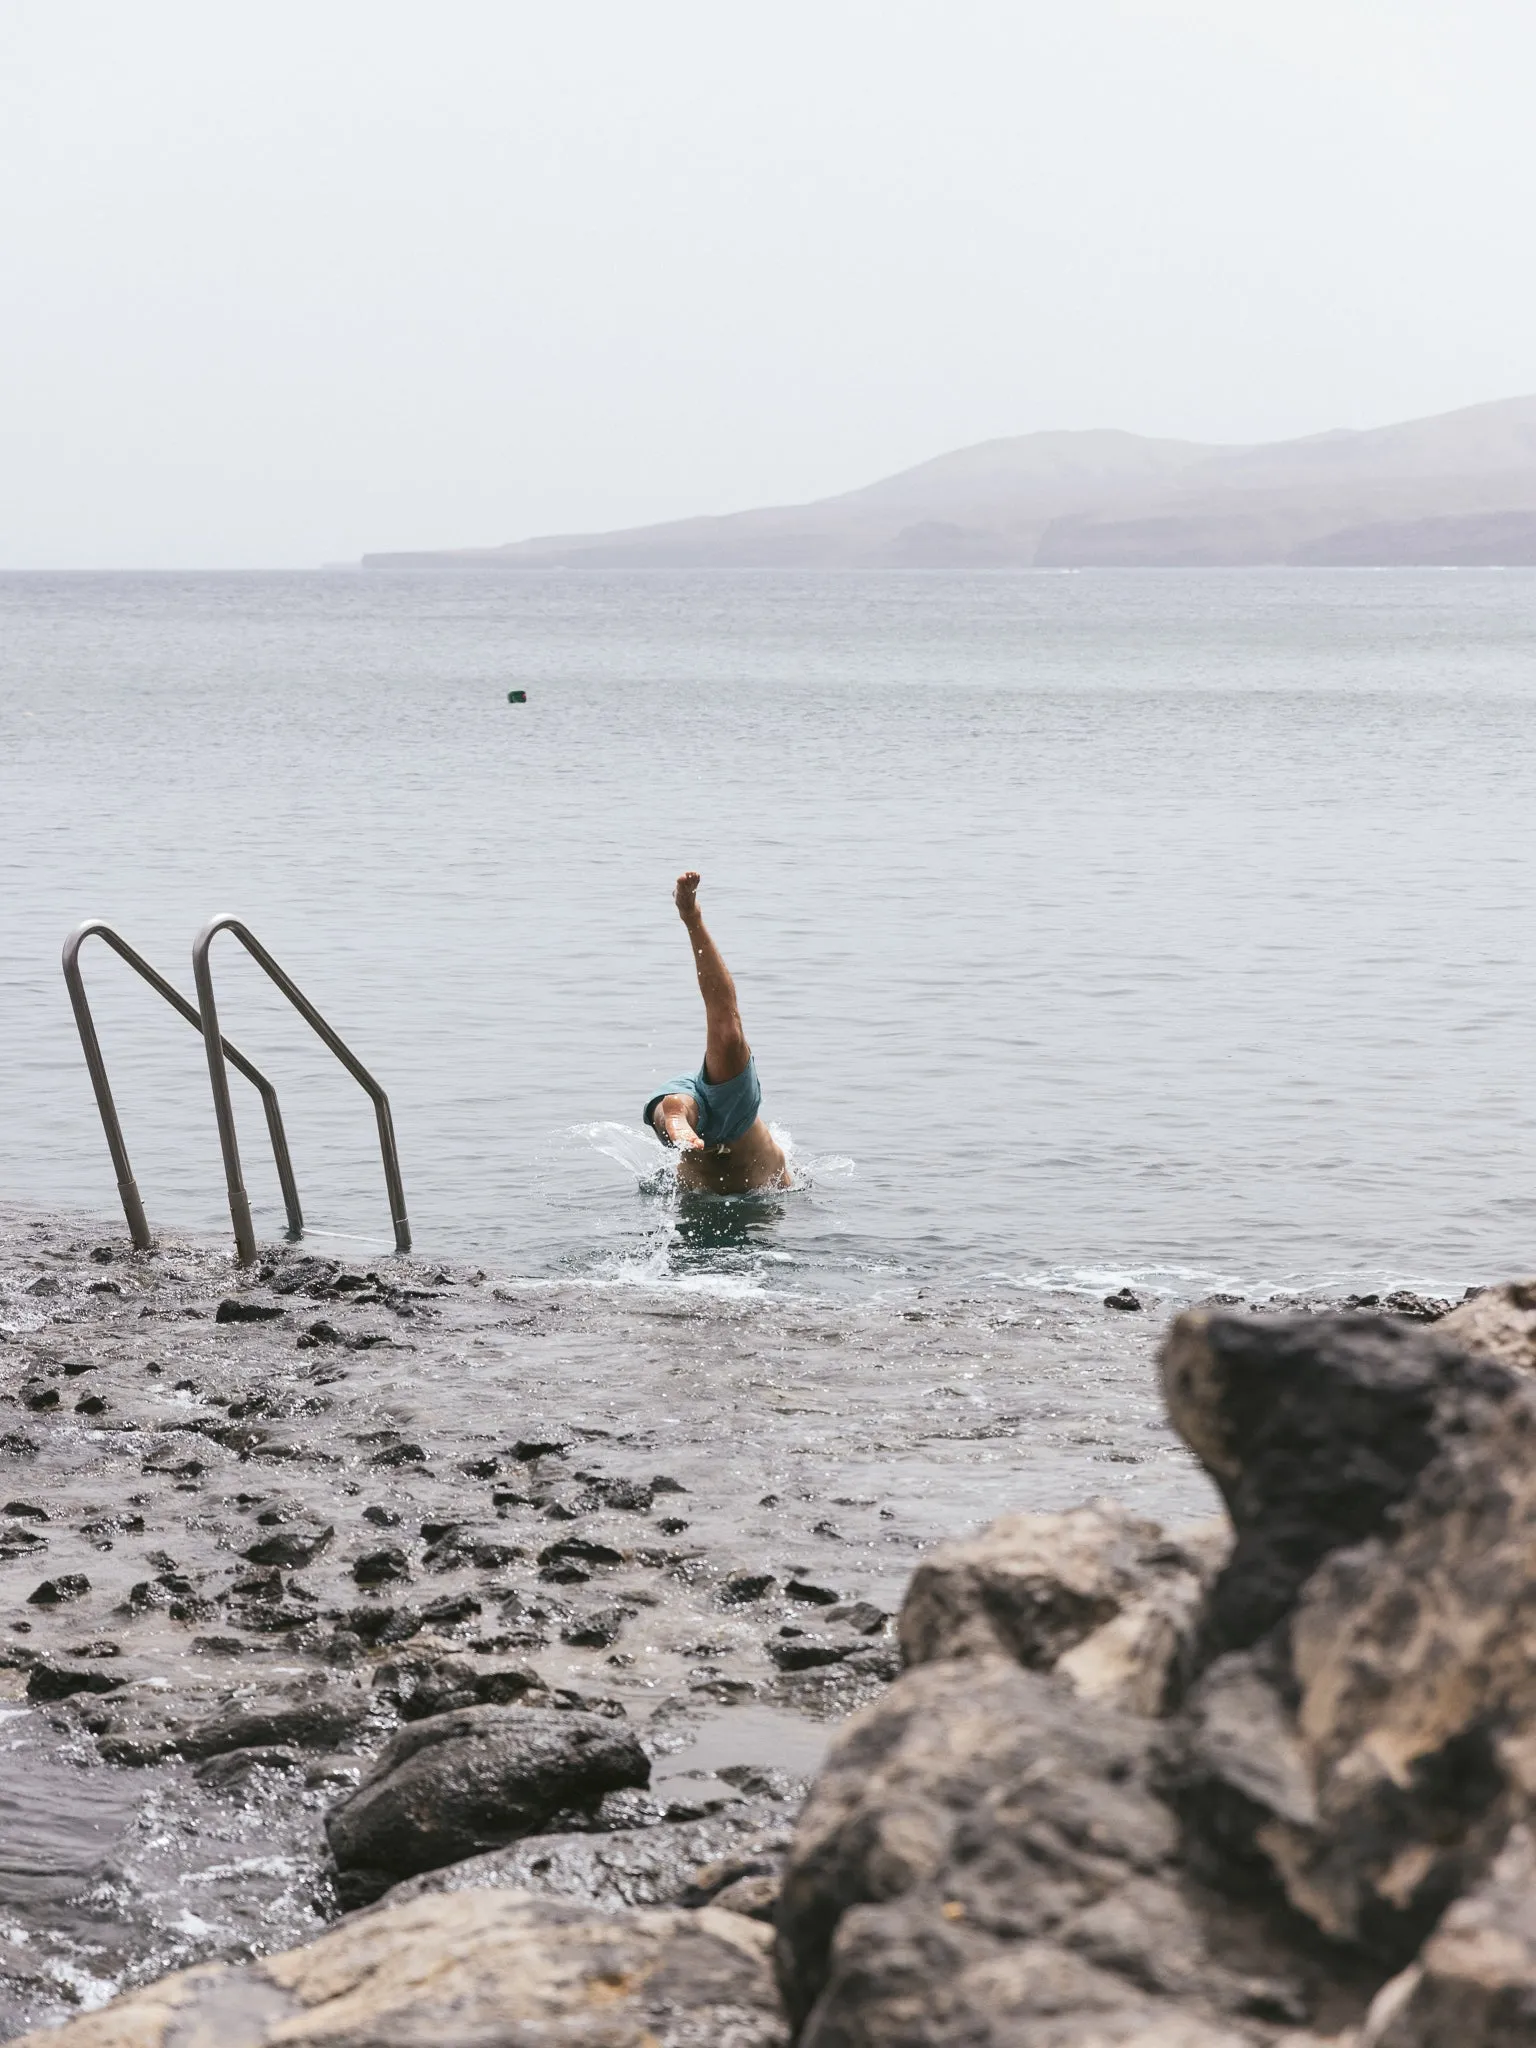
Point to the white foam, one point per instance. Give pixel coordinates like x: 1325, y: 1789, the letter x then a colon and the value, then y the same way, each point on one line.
x: 627, y: 1146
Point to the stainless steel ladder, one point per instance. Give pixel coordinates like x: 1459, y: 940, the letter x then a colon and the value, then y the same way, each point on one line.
x: 239, y: 1207
x: 127, y: 1187
x: 221, y: 1056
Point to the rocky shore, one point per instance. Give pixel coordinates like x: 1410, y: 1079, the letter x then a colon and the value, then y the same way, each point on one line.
x: 402, y: 1727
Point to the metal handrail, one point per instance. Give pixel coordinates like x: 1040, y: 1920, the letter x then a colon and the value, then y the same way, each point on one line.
x: 127, y: 1187
x: 239, y: 1205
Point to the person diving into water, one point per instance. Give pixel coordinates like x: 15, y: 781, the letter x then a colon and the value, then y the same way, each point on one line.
x: 712, y: 1117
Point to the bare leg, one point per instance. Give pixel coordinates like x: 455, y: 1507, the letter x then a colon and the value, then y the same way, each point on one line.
x: 726, y: 1051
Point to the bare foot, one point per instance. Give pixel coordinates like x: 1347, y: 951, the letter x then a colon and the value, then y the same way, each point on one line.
x: 686, y: 895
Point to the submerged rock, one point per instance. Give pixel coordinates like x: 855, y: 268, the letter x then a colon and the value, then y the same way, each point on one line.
x: 458, y: 1784
x: 133, y: 1727
x: 489, y: 1968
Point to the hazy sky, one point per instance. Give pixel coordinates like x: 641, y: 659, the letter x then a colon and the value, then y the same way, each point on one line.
x: 281, y: 282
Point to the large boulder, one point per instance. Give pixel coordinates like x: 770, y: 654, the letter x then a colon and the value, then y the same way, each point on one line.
x: 1364, y: 1732
x: 459, y: 1784
x: 1104, y: 1597
x: 1499, y: 1322
x: 983, y: 1861
x: 1474, y: 1983
x: 469, y: 1970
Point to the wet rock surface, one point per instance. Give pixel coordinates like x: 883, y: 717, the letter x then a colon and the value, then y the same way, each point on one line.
x: 681, y: 1863
x: 417, y: 1489
x: 364, y: 1590
x: 458, y: 1784
x: 493, y: 1969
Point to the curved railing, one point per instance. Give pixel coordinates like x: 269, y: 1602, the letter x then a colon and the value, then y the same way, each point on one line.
x: 239, y: 1205
x: 127, y: 1187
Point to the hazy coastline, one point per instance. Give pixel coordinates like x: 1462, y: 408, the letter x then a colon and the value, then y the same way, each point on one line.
x: 1458, y: 489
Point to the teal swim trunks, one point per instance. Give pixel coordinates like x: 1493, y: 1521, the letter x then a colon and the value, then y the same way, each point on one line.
x: 727, y: 1109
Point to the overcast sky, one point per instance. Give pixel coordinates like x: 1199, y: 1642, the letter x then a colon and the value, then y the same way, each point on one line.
x: 284, y: 282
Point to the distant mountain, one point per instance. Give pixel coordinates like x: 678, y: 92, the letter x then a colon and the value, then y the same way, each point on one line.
x: 1456, y: 489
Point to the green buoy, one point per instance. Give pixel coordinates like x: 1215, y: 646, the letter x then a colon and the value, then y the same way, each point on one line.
x: 517, y: 696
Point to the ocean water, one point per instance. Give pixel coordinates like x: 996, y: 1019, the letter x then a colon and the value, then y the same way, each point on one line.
x: 1172, y: 928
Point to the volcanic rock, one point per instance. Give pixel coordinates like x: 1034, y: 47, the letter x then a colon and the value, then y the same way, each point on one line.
x: 1106, y: 1598
x: 984, y: 1861
x: 378, y: 1567
x: 459, y: 1784
x: 1497, y: 1322
x: 489, y: 1968
x: 233, y: 1310
x: 54, y: 1592
x: 1474, y: 1983
x: 665, y: 1863
x: 47, y: 1681
x: 805, y: 1653
x: 134, y: 1728
x: 426, y: 1685
x: 1364, y: 1734
x: 812, y: 1594
x: 742, y: 1586
x: 290, y: 1547
x: 596, y: 1629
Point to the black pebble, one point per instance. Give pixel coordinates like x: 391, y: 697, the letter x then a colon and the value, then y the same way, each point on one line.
x: 581, y: 1548
x: 381, y: 1565
x: 742, y: 1586
x: 594, y: 1631
x: 452, y: 1607
x: 818, y: 1596
x: 67, y: 1586
x: 233, y: 1310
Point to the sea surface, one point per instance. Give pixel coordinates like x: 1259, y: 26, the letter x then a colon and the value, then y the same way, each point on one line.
x: 1153, y: 927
